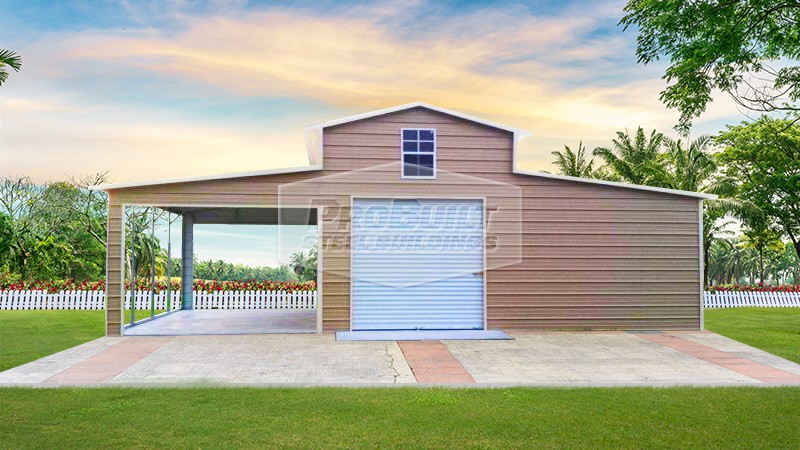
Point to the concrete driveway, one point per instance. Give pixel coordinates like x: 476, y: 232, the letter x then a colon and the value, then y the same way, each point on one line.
x: 535, y: 359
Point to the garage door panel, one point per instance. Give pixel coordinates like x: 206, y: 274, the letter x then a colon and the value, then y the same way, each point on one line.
x: 448, y: 304
x: 417, y: 271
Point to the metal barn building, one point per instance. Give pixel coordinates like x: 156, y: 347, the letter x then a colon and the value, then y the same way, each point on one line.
x: 424, y: 222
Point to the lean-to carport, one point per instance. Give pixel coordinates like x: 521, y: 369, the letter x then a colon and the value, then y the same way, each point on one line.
x: 187, y: 320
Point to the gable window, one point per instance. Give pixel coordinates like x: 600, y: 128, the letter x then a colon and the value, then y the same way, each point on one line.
x: 419, y: 152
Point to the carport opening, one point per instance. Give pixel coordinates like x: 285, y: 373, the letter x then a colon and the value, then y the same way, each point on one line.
x: 251, y: 270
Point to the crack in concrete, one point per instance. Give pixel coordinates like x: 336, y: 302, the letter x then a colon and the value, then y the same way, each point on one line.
x: 391, y: 363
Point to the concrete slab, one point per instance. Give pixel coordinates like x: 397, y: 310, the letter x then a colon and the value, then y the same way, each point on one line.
x: 268, y: 359
x: 227, y: 321
x: 597, y: 359
x: 532, y: 359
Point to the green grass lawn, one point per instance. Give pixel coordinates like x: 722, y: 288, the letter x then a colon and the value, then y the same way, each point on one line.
x: 401, y: 418
x: 775, y: 330
x: 29, y: 335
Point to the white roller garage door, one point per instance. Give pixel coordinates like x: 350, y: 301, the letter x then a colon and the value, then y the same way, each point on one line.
x: 417, y: 264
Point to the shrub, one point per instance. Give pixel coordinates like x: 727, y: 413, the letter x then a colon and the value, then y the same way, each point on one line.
x: 760, y: 287
x: 12, y: 283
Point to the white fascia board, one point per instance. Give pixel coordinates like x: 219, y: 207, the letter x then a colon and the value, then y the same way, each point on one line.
x: 639, y: 187
x: 381, y: 112
x: 113, y: 186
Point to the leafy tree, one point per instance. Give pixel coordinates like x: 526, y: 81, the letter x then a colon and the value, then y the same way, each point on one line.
x: 787, y: 265
x: 764, y: 156
x: 36, y: 245
x: 726, y: 45
x: 629, y: 156
x: 89, y: 207
x: 6, y: 236
x: 761, y: 238
x: 574, y: 163
x: 8, y: 59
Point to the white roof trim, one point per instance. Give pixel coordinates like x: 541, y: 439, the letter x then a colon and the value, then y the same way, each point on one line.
x: 639, y: 187
x: 381, y: 112
x: 112, y: 186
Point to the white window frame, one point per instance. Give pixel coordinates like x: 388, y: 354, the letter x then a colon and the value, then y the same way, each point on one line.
x: 402, y: 155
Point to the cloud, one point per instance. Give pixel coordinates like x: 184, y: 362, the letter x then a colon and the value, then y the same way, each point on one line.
x: 51, y: 139
x: 501, y: 63
x: 564, y: 76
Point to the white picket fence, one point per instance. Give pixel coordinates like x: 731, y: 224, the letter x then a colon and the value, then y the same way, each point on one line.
x: 255, y: 300
x: 731, y: 299
x: 298, y: 299
x: 142, y: 299
x: 202, y: 300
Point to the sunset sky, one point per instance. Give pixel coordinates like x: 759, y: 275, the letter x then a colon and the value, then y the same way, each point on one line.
x: 165, y: 89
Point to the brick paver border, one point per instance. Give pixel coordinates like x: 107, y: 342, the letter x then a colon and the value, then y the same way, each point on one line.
x: 744, y: 366
x: 110, y: 362
x: 432, y: 362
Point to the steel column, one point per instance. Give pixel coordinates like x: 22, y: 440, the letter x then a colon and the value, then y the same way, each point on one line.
x: 187, y: 261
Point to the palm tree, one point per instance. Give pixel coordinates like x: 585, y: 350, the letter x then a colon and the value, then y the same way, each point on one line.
x: 684, y: 168
x: 574, y: 164
x: 298, y: 264
x: 311, y: 265
x: 10, y: 59
x: 693, y: 168
x: 629, y: 156
x: 145, y: 246
x: 761, y: 240
x: 725, y: 263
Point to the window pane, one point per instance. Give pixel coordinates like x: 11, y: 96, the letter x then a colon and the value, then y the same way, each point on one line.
x: 426, y: 146
x: 426, y: 161
x: 409, y: 147
x: 410, y: 166
x: 424, y: 171
x: 410, y: 135
x: 426, y: 135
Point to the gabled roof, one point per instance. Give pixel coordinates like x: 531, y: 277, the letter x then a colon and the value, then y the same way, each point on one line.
x: 315, y: 147
x: 411, y: 105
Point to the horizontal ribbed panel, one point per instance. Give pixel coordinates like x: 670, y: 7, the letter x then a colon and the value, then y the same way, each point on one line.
x: 417, y: 264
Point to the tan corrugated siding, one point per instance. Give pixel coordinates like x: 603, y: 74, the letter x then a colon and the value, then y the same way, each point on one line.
x: 592, y: 256
x: 115, y: 266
